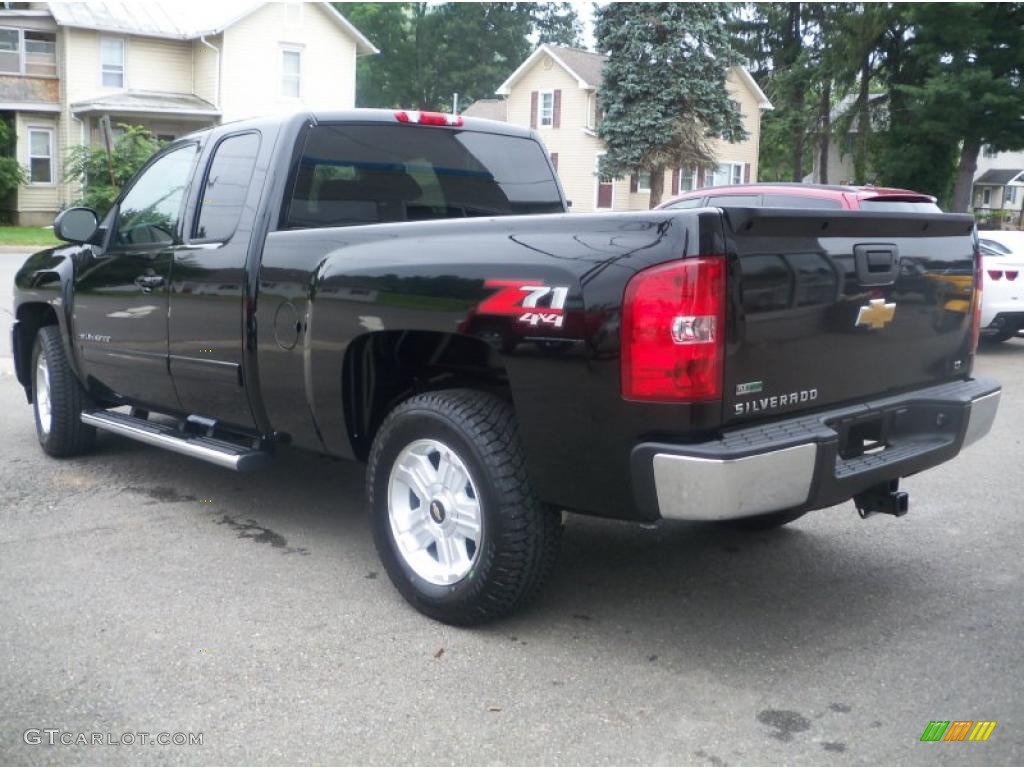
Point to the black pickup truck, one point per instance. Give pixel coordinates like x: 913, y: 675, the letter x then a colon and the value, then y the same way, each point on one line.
x: 407, y: 289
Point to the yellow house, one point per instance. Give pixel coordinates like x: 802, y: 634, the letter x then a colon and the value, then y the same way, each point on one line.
x: 556, y: 92
x: 171, y: 67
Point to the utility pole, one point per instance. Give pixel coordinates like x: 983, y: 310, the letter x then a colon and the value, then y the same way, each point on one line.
x: 107, y: 134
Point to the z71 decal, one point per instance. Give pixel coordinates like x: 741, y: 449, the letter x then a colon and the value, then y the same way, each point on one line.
x: 530, y: 301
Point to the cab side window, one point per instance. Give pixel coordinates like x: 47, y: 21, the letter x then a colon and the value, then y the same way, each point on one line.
x: 693, y: 202
x: 149, y: 213
x: 226, y: 187
x: 737, y: 201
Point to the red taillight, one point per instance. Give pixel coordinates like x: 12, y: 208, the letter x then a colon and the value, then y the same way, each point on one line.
x: 673, y: 331
x: 976, y: 314
x: 1011, y: 274
x: 429, y: 118
x: 996, y: 274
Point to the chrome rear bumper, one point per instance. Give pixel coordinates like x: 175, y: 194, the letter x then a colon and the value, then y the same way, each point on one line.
x: 799, y: 463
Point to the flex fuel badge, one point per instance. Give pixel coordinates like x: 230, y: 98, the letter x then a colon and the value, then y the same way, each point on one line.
x: 750, y: 388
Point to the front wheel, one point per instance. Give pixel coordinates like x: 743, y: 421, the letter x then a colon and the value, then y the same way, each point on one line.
x: 58, y: 399
x: 999, y: 337
x: 457, y: 525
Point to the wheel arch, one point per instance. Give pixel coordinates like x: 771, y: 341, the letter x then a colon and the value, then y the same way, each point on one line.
x: 383, y: 368
x: 29, y: 318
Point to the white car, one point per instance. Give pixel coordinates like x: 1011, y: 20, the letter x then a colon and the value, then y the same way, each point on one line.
x: 1002, y: 297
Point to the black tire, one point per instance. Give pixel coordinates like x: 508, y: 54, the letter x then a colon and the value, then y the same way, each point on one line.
x: 763, y: 522
x: 67, y: 435
x: 520, y: 536
x: 1000, y: 337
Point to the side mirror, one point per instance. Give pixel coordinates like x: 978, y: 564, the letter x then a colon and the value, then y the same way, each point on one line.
x: 76, y: 225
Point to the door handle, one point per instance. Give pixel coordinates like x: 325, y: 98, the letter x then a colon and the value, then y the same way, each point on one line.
x: 877, y: 263
x: 148, y: 282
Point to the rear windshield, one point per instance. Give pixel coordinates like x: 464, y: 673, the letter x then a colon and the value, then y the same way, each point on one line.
x: 995, y: 247
x: 797, y: 201
x: 370, y: 174
x: 905, y: 206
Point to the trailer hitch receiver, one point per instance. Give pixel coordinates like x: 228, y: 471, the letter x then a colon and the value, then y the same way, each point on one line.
x: 884, y: 499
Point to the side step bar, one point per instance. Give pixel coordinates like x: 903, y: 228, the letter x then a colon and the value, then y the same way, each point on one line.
x: 219, y: 452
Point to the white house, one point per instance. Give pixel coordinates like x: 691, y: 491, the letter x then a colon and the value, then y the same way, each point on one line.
x: 556, y: 89
x: 171, y: 67
x: 999, y: 185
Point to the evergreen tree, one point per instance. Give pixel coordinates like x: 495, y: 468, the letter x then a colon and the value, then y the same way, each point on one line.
x: 973, y: 88
x: 557, y: 23
x: 664, y: 87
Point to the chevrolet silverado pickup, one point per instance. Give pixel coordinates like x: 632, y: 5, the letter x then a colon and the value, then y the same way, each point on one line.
x: 407, y: 290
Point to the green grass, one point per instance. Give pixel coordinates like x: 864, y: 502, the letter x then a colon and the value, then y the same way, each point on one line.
x: 27, y: 236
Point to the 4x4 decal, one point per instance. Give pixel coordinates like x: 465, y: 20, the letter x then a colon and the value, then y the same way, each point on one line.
x: 530, y: 301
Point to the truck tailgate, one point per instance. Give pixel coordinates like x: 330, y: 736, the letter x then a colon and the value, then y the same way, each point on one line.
x: 833, y: 307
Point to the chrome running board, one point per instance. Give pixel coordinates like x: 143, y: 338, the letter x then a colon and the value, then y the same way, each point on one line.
x: 220, y: 452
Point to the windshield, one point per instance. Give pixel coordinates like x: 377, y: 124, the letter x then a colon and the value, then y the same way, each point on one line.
x: 994, y: 247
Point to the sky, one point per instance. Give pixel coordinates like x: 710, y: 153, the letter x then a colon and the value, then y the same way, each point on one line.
x: 585, y: 10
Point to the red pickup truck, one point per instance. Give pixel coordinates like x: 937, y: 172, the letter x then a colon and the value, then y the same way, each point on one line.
x: 792, y: 195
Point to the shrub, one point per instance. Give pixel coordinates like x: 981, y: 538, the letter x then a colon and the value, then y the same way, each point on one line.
x: 11, y: 173
x: 90, y: 167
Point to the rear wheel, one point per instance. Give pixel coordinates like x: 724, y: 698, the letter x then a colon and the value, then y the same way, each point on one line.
x: 58, y: 399
x: 763, y: 522
x: 457, y: 525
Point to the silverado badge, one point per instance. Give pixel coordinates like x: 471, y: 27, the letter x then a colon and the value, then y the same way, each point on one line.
x: 876, y: 314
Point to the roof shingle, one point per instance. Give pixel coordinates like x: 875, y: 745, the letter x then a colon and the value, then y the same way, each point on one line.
x: 999, y: 177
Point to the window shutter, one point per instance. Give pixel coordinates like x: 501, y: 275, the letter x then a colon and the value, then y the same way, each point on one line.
x: 533, y: 109
x: 556, y: 116
x: 634, y: 183
x: 746, y: 173
x: 675, y: 182
x: 554, y: 160
x: 698, y: 178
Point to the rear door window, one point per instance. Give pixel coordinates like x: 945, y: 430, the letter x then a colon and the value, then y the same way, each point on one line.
x: 226, y: 187
x: 368, y: 174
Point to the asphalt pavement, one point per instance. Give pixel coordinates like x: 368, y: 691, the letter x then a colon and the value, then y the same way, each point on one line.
x: 144, y: 592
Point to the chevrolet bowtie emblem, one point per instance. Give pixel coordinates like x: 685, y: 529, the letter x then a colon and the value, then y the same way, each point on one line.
x: 876, y: 314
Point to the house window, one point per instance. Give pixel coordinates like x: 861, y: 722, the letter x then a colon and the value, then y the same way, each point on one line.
x: 40, y: 54
x: 547, y: 108
x: 112, y: 62
x: 643, y: 182
x: 291, y: 73
x: 726, y: 173
x: 26, y: 52
x: 605, y: 187
x: 687, y: 179
x: 738, y: 107
x: 986, y: 196
x: 40, y: 156
x: 1010, y: 194
x: 10, y: 50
